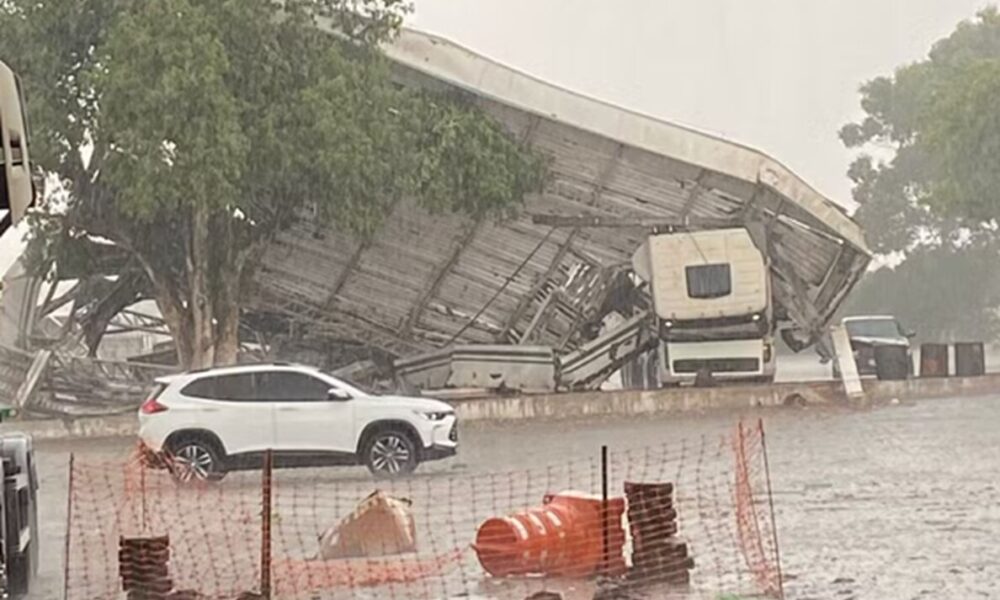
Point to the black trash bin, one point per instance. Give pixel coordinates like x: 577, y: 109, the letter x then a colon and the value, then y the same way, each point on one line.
x: 892, y: 363
x: 970, y: 359
x: 934, y: 360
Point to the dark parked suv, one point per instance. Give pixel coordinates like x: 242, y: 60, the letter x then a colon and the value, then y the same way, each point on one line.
x: 869, y: 332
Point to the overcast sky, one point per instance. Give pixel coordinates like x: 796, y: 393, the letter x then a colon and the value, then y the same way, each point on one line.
x: 780, y: 75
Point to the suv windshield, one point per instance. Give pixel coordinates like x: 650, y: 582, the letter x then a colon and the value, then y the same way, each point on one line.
x: 883, y: 328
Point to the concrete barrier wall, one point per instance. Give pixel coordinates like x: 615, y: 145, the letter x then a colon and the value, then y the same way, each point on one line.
x: 636, y: 402
x: 622, y: 403
x: 913, y: 389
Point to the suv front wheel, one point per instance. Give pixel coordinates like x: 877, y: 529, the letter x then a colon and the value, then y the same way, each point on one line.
x: 390, y: 453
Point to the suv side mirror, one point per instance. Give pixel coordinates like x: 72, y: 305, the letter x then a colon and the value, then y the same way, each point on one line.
x: 338, y: 394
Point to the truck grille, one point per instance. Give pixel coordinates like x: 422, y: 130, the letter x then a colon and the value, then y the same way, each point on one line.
x: 718, y: 365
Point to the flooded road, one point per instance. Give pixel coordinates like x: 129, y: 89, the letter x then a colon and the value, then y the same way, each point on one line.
x: 900, y: 502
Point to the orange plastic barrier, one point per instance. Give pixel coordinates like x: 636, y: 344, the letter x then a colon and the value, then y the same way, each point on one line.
x: 291, y: 576
x: 564, y: 538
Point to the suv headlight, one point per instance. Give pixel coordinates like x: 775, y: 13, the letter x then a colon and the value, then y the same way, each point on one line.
x: 435, y: 415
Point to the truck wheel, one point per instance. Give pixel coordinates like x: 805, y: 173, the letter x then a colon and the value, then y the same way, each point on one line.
x: 390, y: 453
x: 19, y: 577
x: 652, y: 371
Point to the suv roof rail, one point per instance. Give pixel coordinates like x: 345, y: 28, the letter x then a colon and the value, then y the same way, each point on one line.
x: 276, y: 363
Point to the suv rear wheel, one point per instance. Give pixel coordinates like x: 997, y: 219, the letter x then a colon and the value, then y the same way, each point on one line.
x: 195, y: 459
x: 390, y: 453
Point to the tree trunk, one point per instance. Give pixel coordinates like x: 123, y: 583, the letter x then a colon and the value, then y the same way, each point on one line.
x: 227, y: 343
x: 177, y: 323
x: 200, y: 343
x: 200, y: 303
x: 228, y: 293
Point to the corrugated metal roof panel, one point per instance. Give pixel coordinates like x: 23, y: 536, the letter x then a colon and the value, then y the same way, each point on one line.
x: 605, y: 161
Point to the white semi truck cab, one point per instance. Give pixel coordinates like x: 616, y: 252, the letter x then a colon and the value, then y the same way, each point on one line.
x: 711, y: 299
x: 16, y: 187
x: 705, y: 313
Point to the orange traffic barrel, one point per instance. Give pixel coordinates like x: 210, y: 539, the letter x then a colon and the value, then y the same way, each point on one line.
x: 565, y: 537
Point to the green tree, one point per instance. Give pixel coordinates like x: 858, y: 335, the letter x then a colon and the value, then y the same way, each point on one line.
x: 927, y: 181
x: 190, y: 132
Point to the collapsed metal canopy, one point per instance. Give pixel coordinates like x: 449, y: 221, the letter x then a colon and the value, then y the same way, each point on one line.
x: 425, y: 281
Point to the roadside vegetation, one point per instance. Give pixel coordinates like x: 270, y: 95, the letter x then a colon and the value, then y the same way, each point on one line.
x: 927, y: 180
x: 179, y: 137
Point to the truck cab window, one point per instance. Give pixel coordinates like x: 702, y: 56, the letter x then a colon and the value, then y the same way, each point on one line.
x: 709, y: 281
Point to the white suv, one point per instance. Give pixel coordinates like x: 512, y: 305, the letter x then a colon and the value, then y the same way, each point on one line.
x: 214, y: 421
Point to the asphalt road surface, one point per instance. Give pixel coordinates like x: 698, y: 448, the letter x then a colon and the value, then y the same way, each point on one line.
x: 899, y: 502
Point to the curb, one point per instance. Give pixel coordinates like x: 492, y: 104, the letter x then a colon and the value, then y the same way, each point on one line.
x: 508, y: 409
x: 86, y: 427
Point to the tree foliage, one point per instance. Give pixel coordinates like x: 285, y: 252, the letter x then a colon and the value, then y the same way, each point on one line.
x: 927, y: 181
x: 190, y: 132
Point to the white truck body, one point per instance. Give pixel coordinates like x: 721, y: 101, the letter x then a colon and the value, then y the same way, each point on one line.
x: 711, y: 294
x: 16, y: 187
x: 704, y: 275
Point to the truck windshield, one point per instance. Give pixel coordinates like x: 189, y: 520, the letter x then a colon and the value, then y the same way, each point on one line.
x: 709, y: 281
x: 884, y: 328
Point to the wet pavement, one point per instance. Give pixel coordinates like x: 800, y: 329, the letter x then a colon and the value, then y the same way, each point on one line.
x: 899, y: 502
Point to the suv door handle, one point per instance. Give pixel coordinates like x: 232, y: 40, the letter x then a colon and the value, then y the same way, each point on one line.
x: 287, y: 408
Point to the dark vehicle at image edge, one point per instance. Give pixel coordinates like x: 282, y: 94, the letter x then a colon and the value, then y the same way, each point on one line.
x: 871, y: 331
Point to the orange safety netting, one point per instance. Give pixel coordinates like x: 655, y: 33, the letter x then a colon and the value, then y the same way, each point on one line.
x: 754, y: 525
x: 695, y: 521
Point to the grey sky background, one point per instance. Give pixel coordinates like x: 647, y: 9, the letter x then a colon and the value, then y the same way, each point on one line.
x: 779, y: 75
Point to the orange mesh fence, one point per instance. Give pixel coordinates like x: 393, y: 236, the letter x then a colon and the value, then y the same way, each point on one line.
x: 751, y: 495
x: 685, y: 519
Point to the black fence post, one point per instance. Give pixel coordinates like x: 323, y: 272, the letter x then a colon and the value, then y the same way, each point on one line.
x: 770, y: 500
x: 69, y: 527
x: 265, y: 534
x: 605, y: 558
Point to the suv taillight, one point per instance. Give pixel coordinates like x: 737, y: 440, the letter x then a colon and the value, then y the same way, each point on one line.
x: 152, y: 406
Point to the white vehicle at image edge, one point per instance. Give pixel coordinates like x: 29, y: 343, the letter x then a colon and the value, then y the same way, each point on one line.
x: 219, y: 420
